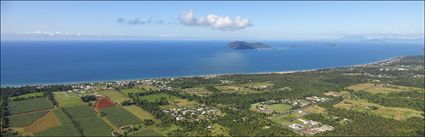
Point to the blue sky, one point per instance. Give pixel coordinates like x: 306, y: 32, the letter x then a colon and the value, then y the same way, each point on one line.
x: 213, y: 20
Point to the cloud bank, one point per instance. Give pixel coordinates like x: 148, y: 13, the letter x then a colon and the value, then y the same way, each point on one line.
x: 224, y: 23
x: 139, y: 21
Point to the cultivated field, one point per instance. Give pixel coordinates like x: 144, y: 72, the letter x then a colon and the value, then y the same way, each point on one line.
x: 280, y: 108
x: 115, y: 96
x: 65, y: 99
x: 25, y: 119
x: 146, y: 132
x: 103, y: 102
x: 139, y: 89
x: 139, y: 112
x: 177, y: 103
x: 157, y: 97
x: 66, y: 127
x: 35, y: 104
x: 120, y: 117
x: 49, y: 120
x: 286, y: 119
x: 236, y: 89
x: 315, y: 109
x: 35, y: 94
x: 198, y: 91
x: 94, y: 126
x: 80, y: 111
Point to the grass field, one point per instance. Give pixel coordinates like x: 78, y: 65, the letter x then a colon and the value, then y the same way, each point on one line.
x: 139, y: 112
x: 258, y: 84
x: 80, y: 111
x: 120, y: 116
x: 94, y: 126
x: 280, y: 108
x: 198, y: 91
x: 35, y: 104
x: 66, y: 127
x: 139, y: 89
x: 147, y: 132
x: 49, y: 120
x: 315, y: 109
x: 23, y: 120
x: 155, y: 97
x: 115, y: 96
x: 218, y: 130
x: 396, y: 113
x: 65, y: 99
x: 381, y: 88
x: 236, y: 89
x: 35, y: 94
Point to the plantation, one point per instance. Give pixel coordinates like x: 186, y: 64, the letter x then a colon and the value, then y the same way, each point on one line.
x: 35, y: 104
x: 65, y: 99
x: 66, y: 127
x: 80, y: 111
x: 23, y: 120
x: 120, y: 117
x: 94, y: 126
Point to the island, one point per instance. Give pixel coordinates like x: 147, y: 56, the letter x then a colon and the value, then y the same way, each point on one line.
x: 240, y: 45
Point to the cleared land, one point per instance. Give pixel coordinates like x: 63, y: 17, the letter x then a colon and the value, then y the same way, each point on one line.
x: 315, y: 109
x: 80, y: 111
x: 286, y: 119
x: 65, y: 99
x: 94, y: 126
x: 177, y: 103
x: 66, y: 128
x: 147, y: 132
x: 23, y: 120
x: 120, y: 117
x: 115, y: 96
x: 396, y: 113
x: 35, y: 104
x: 103, y: 102
x: 218, y: 130
x: 198, y: 91
x: 279, y: 108
x: 139, y: 112
x: 382, y: 88
x: 139, y: 89
x: 49, y: 120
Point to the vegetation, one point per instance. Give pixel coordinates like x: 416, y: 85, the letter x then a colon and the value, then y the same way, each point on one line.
x: 119, y: 116
x: 35, y: 104
x: 25, y: 119
x: 80, y: 111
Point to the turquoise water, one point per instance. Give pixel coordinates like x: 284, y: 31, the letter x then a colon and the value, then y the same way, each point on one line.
x: 48, y: 62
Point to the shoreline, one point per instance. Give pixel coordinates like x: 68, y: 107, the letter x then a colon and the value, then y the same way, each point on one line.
x: 206, y: 75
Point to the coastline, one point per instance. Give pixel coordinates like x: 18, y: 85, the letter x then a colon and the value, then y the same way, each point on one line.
x: 207, y: 75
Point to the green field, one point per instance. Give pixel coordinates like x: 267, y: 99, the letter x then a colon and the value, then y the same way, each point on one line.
x: 23, y: 120
x: 35, y: 94
x: 94, y: 126
x: 115, y: 96
x: 285, y: 119
x: 139, y: 112
x: 80, y: 111
x: 35, y: 104
x: 218, y: 130
x: 119, y: 116
x: 157, y: 97
x: 139, y: 89
x: 66, y: 128
x: 146, y: 132
x: 198, y: 91
x: 280, y: 108
x: 382, y: 88
x: 67, y: 99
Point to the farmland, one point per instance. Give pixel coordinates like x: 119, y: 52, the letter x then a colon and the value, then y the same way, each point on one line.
x: 48, y: 120
x: 23, y: 120
x: 280, y: 108
x: 94, y: 126
x: 65, y: 99
x: 30, y: 95
x: 103, y: 102
x: 115, y: 96
x: 139, y: 112
x: 380, y: 88
x: 198, y: 91
x: 177, y: 103
x: 146, y: 132
x: 120, y: 116
x: 29, y: 105
x: 66, y: 127
x: 80, y: 111
x: 157, y: 97
x: 139, y: 89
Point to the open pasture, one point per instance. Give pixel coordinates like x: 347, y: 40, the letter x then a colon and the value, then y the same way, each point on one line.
x: 177, y: 103
x: 396, y: 113
x: 35, y: 104
x: 139, y: 89
x: 315, y: 109
x: 381, y: 88
x: 286, y: 119
x: 120, y: 116
x: 236, y: 89
x: 147, y: 132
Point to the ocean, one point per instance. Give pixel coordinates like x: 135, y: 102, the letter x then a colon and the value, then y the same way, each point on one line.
x: 54, y: 62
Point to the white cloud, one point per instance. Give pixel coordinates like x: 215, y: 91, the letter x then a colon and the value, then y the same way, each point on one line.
x: 224, y: 23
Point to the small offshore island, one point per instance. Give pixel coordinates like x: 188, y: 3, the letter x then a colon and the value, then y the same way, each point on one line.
x: 241, y: 45
x: 377, y: 99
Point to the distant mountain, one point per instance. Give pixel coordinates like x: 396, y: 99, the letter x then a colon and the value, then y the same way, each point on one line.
x: 245, y: 45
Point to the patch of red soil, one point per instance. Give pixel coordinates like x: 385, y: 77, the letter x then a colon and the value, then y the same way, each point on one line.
x: 103, y: 103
